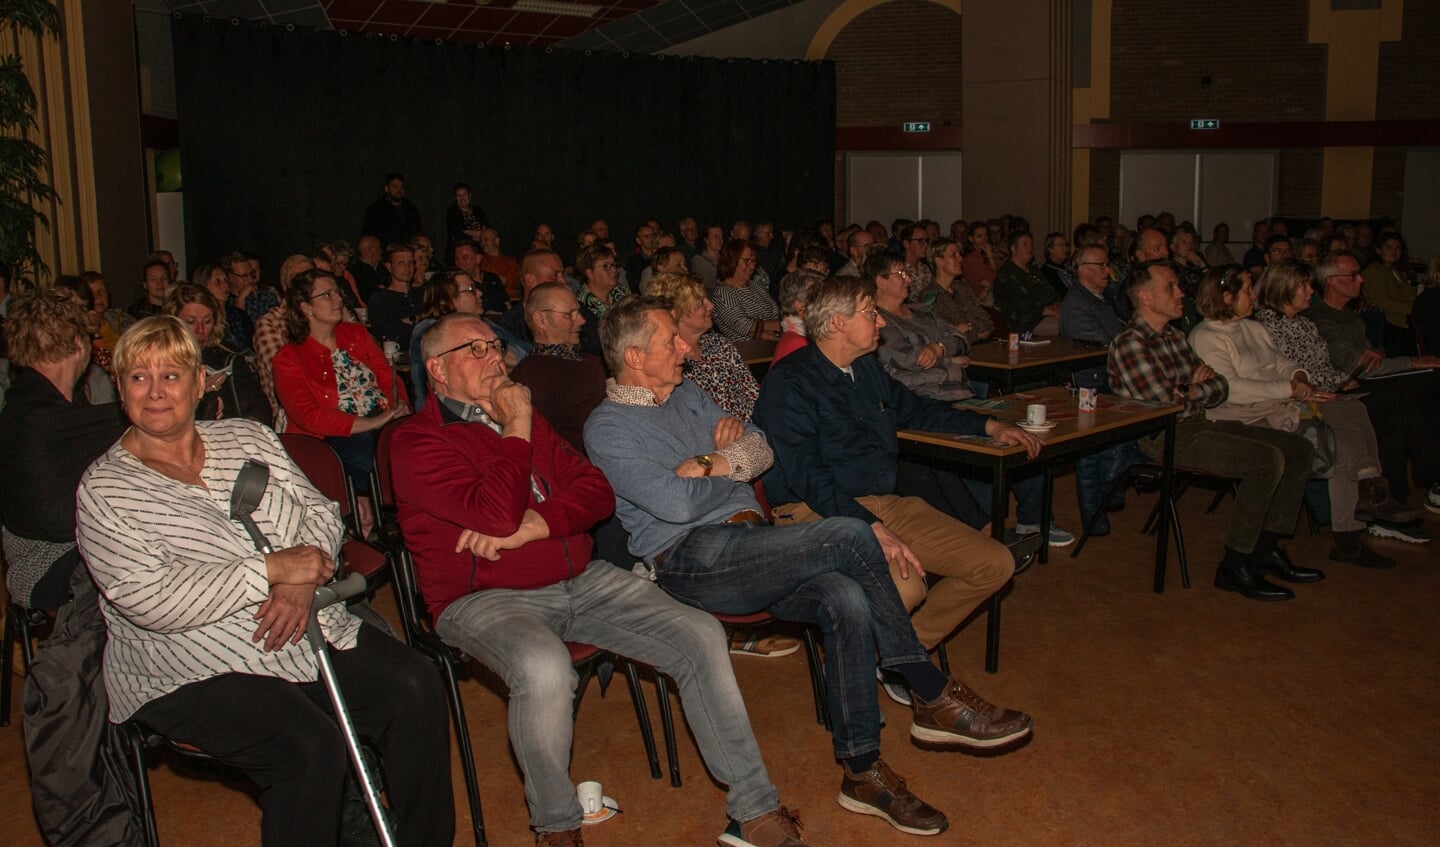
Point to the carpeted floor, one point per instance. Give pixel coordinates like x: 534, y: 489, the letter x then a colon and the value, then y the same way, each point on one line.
x: 1189, y: 717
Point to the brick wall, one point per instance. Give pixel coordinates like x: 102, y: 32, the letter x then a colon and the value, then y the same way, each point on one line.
x: 1257, y: 56
x: 1409, y: 84
x: 876, y: 59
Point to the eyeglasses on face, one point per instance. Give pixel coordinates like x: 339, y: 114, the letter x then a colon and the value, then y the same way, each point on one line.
x: 572, y: 314
x: 900, y: 273
x: 872, y: 313
x: 467, y: 290
x: 333, y: 293
x: 1352, y: 275
x: 479, y: 348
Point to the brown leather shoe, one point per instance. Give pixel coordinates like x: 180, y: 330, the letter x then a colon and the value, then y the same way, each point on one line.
x: 882, y: 793
x: 780, y: 828
x: 568, y: 838
x: 960, y: 716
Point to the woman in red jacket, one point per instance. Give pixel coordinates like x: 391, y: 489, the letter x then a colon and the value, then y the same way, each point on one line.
x: 333, y: 381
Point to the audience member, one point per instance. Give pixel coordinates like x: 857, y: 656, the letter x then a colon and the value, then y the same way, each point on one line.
x: 1254, y: 259
x: 981, y: 264
x: 600, y: 288
x: 1217, y: 252
x: 245, y: 290
x: 231, y: 384
x: 51, y: 434
x: 712, y: 362
x: 646, y: 239
x: 505, y: 267
x: 463, y: 220
x: 1057, y: 268
x: 204, y: 631
x: 1356, y: 484
x: 743, y: 305
x: 681, y: 470
x: 914, y: 244
x: 705, y: 263
x: 1087, y: 312
x: 155, y: 281
x: 1022, y: 295
x: 498, y: 535
x: 1388, y: 287
x: 452, y: 291
x: 270, y: 336
x: 391, y: 218
x: 369, y: 271
x: 393, y: 309
x: 793, y: 290
x: 917, y: 348
x: 333, y: 381
x: 1150, y: 360
x: 948, y: 295
x: 566, y: 383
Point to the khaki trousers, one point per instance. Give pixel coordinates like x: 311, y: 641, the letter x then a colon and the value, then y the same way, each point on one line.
x: 972, y: 566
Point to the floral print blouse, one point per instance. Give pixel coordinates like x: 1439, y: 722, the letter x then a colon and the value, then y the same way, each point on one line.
x: 722, y: 373
x: 1298, y: 340
x: 359, y: 392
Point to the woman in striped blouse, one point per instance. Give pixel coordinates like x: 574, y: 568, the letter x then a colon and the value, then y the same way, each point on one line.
x: 205, y: 630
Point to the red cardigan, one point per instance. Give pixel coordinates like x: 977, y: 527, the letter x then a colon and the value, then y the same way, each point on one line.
x: 451, y: 475
x: 305, y: 381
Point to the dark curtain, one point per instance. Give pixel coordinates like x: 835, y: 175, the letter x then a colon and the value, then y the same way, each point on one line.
x: 286, y: 136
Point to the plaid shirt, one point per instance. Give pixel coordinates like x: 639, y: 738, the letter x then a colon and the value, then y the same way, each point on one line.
x: 268, y: 339
x: 1150, y: 365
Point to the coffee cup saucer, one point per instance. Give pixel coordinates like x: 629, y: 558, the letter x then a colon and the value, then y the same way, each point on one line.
x: 1029, y: 427
x: 611, y: 808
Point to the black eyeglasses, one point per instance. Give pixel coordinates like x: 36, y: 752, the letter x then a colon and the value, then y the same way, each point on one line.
x: 479, y: 348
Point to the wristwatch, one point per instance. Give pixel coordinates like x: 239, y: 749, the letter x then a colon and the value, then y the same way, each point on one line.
x: 704, y: 461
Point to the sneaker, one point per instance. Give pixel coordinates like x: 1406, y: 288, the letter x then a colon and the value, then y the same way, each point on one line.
x: 780, y: 828
x: 960, y: 716
x: 1432, y: 499
x: 763, y: 646
x: 881, y: 793
x: 568, y: 838
x: 894, y: 686
x: 1410, y: 534
x: 1058, y: 536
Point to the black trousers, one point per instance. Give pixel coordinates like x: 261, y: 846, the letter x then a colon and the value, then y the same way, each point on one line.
x: 1405, y: 412
x: 284, y: 737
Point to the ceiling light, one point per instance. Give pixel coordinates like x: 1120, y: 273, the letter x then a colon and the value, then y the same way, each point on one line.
x: 552, y: 7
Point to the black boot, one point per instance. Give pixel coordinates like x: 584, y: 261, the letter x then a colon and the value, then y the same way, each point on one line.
x: 1235, y: 574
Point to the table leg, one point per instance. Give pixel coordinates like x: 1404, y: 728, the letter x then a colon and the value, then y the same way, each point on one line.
x: 1047, y: 497
x: 999, y: 509
x: 1162, y: 529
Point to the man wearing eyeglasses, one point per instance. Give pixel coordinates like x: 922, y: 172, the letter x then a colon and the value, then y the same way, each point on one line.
x: 682, y: 471
x: 1404, y: 410
x: 495, y: 507
x: 566, y: 384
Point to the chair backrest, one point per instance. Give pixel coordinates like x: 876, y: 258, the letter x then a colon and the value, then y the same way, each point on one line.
x: 382, y: 487
x: 382, y: 493
x: 319, y: 462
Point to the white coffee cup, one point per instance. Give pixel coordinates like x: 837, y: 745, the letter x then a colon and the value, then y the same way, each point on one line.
x: 392, y: 350
x: 1035, y: 414
x: 592, y: 798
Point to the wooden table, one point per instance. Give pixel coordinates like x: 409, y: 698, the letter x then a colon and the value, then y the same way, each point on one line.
x: 993, y: 362
x: 757, y: 353
x: 1075, y: 434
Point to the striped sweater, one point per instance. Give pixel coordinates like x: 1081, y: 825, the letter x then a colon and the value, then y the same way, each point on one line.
x: 180, y: 582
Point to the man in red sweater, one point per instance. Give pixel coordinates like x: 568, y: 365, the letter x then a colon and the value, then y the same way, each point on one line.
x: 495, y: 507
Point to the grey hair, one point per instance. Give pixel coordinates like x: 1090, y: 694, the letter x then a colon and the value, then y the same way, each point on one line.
x: 838, y: 295
x: 794, y: 287
x: 1329, y: 265
x: 627, y: 324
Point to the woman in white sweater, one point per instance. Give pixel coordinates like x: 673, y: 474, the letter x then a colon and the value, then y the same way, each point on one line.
x: 1267, y: 389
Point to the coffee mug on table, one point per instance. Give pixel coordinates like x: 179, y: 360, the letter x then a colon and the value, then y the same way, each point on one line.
x: 392, y: 350
x: 1035, y: 414
x: 1089, y: 399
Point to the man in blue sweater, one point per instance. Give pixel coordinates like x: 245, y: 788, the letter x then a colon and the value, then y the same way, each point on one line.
x: 681, y: 470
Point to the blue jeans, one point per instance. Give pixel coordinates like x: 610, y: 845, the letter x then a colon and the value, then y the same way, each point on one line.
x: 520, y: 636
x: 1028, y: 492
x: 830, y: 573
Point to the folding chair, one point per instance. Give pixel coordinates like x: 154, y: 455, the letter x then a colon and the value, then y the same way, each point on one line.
x: 322, y: 466
x: 1150, y: 473
x: 20, y: 624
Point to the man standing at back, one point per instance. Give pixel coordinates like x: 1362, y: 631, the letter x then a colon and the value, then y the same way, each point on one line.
x: 392, y: 218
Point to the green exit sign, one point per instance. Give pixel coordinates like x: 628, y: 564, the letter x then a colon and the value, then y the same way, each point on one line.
x: 1205, y: 123
x: 917, y: 126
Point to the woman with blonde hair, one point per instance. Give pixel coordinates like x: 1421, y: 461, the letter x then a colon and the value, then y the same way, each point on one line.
x: 232, y: 385
x: 712, y: 362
